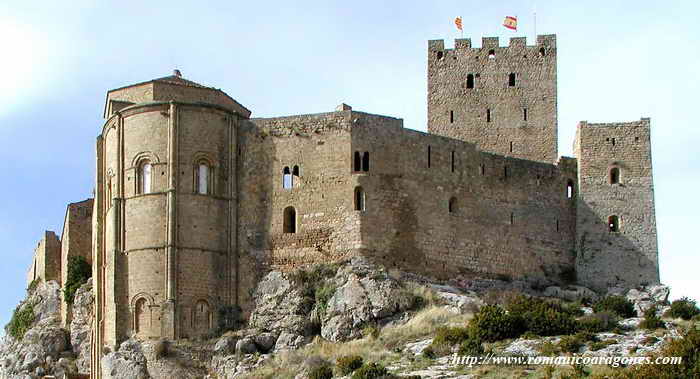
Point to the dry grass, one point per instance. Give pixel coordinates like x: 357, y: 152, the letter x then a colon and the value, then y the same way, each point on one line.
x: 381, y: 349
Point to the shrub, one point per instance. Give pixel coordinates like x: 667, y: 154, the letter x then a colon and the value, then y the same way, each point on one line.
x: 616, y: 304
x: 322, y: 294
x: 161, y: 348
x: 492, y: 323
x: 471, y: 347
x: 595, y: 346
x: 570, y: 344
x: 651, y: 320
x: 684, y: 308
x: 79, y: 271
x: 370, y: 331
x: 688, y: 348
x: 321, y: 372
x: 32, y: 286
x: 349, y: 363
x: 548, y: 349
x: 229, y: 318
x: 370, y: 371
x: 598, y: 322
x: 429, y: 352
x: 649, y: 340
x: 544, y: 318
x: 450, y: 336
x: 21, y: 321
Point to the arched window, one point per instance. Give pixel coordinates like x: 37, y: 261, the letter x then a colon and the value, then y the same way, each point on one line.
x: 359, y: 199
x: 488, y: 115
x: 202, y: 319
x: 511, y: 79
x: 286, y: 178
x: 452, y: 205
x: 542, y: 51
x: 142, y: 316
x: 613, y: 224
x: 615, y: 175
x: 357, y: 162
x: 295, y: 176
x: 290, y: 220
x: 470, y: 81
x: 492, y: 54
x: 570, y: 189
x: 365, y: 161
x: 144, y: 179
x: 202, y: 178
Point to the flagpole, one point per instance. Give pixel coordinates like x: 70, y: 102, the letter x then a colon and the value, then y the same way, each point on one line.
x: 534, y: 14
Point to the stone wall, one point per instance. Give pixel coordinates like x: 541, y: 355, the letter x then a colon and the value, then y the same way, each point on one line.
x: 518, y: 120
x: 76, y: 241
x: 627, y: 257
x: 508, y: 217
x: 46, y: 262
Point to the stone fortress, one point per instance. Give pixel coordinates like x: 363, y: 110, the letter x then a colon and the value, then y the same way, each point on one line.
x: 195, y: 200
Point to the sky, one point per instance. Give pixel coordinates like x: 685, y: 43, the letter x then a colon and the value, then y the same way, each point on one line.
x: 617, y: 61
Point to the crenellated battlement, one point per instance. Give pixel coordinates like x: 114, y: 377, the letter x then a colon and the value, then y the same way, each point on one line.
x: 548, y: 41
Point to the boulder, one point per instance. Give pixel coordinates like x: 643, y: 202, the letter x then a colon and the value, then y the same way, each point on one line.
x: 80, y: 326
x: 225, y: 345
x: 246, y: 346
x: 265, y: 341
x: 570, y: 293
x: 659, y: 293
x: 289, y: 341
x: 280, y: 305
x: 128, y: 362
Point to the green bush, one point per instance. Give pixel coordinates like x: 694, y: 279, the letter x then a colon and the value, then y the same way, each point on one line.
x: 598, y: 322
x: 21, y: 321
x: 471, y: 347
x: 450, y: 336
x: 347, y: 364
x: 570, y: 344
x: 32, y: 286
x: 595, y: 346
x: 544, y: 318
x: 321, y: 372
x: 616, y: 304
x: 651, y: 320
x: 229, y: 318
x: 322, y: 294
x: 79, y: 271
x: 429, y: 352
x: 688, y: 348
x: 370, y: 371
x: 684, y: 308
x: 492, y: 323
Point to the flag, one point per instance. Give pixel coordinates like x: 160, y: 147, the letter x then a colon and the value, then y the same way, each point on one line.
x: 458, y: 22
x: 511, y: 22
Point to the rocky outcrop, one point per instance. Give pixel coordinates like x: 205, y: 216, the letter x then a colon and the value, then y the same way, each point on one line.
x: 281, y: 305
x: 80, y: 326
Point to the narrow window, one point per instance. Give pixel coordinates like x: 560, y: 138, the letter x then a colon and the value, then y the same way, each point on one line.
x: 286, y: 178
x: 482, y: 168
x: 492, y: 54
x: 505, y: 172
x: 359, y: 199
x: 512, y: 218
x: 557, y: 220
x: 613, y: 224
x: 569, y: 189
x: 290, y: 220
x: 511, y: 146
x: 365, y: 161
x: 452, y: 117
x: 145, y: 177
x: 439, y: 55
x: 452, y: 205
x: 615, y: 175
x: 453, y: 161
x: 524, y: 114
x: 295, y: 176
x: 470, y: 81
x: 511, y: 80
x: 202, y: 179
x: 428, y: 156
x: 542, y: 51
x: 358, y: 162
x: 613, y: 141
x: 636, y: 139
x: 488, y: 115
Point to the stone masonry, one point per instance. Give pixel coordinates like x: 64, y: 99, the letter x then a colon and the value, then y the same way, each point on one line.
x: 195, y: 200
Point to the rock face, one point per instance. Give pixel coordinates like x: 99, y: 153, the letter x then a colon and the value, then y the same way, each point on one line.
x: 645, y: 297
x: 280, y: 305
x: 127, y: 362
x: 80, y: 326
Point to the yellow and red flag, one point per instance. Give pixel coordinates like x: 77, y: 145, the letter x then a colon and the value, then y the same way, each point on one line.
x: 511, y: 22
x: 458, y: 22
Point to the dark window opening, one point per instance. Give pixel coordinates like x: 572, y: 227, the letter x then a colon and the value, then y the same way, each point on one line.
x: 613, y: 141
x: 286, y: 178
x: 511, y: 146
x: 295, y: 176
x: 524, y: 114
x: 636, y: 139
x: 511, y: 80
x: 613, y: 224
x: 452, y: 205
x: 290, y: 220
x: 482, y: 167
x: 359, y: 199
x: 470, y: 81
x: 488, y: 115
x: 557, y: 225
x: 615, y: 175
x: 428, y: 156
x: 542, y: 51
x: 569, y: 189
x: 452, y: 116
x: 492, y: 54
x: 439, y: 55
x: 358, y: 162
x: 505, y: 172
x: 365, y: 161
x: 453, y: 161
x: 512, y: 218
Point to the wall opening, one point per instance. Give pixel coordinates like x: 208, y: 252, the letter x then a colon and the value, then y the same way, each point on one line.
x: 357, y: 162
x: 613, y: 224
x: 286, y: 178
x: 488, y: 115
x: 542, y: 51
x: 452, y: 117
x: 439, y: 55
x: 428, y: 156
x: 524, y: 114
x: 615, y: 175
x: 141, y: 319
x: 557, y: 221
x: 365, y: 161
x: 359, y: 199
x: 505, y: 172
x: 202, y: 319
x: 511, y: 79
x: 569, y: 189
x: 511, y: 146
x: 452, y: 205
x: 512, y: 218
x: 202, y: 179
x: 470, y: 81
x: 453, y: 161
x: 290, y: 220
x: 144, y: 180
x: 482, y: 168
x: 295, y: 176
x: 492, y: 54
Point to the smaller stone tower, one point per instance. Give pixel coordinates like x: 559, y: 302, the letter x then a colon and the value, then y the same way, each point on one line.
x: 503, y: 99
x: 616, y: 223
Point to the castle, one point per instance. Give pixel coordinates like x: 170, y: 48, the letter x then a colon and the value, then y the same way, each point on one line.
x: 195, y: 199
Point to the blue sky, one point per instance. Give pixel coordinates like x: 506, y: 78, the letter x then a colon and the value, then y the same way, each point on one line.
x: 618, y: 61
